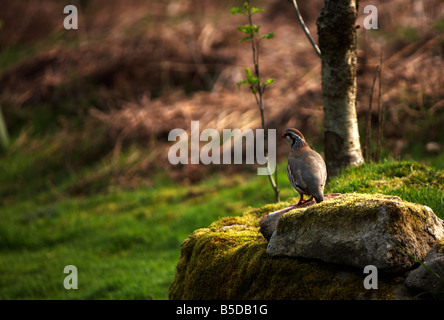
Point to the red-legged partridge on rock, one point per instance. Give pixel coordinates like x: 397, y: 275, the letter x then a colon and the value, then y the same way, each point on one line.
x: 306, y: 169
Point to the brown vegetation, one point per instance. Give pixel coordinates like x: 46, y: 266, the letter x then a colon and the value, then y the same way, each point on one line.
x: 138, y: 69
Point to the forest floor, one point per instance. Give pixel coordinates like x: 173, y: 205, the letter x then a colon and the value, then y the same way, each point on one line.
x: 86, y: 179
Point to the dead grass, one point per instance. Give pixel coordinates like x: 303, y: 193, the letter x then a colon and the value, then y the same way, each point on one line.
x: 143, y: 68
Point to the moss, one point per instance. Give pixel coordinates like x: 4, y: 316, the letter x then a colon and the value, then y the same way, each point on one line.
x: 411, y: 181
x: 440, y: 246
x: 331, y: 210
x: 228, y: 260
x: 402, y: 213
x: 259, y: 212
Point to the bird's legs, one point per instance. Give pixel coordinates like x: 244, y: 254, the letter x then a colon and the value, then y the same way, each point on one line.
x: 301, y: 201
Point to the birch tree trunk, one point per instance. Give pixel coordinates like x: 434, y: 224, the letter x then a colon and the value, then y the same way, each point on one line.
x: 337, y: 42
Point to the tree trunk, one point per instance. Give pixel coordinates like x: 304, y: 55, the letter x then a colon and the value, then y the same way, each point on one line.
x: 337, y: 41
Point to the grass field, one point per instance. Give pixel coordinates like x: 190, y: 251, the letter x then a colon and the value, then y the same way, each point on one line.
x: 125, y: 243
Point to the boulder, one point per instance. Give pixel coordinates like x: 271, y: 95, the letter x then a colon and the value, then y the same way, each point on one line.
x: 229, y: 259
x: 359, y: 230
x: 268, y: 222
x: 429, y: 279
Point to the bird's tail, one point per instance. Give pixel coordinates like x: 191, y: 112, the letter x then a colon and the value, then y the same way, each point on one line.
x: 319, y: 198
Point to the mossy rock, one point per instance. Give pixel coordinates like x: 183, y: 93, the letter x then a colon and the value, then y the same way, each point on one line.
x: 428, y: 279
x: 228, y: 260
x: 359, y: 230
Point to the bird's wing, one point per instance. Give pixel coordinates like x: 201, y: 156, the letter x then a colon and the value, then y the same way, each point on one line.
x: 297, y: 167
x: 316, y: 172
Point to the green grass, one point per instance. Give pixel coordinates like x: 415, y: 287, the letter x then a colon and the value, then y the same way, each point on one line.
x: 409, y: 180
x: 126, y: 243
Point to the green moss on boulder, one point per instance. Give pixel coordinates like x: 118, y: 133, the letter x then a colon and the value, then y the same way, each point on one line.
x: 228, y: 260
x: 359, y: 230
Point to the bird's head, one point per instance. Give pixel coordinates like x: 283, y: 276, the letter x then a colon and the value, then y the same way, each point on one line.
x: 294, y: 138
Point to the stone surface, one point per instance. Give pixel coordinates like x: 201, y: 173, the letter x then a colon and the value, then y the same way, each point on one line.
x: 268, y: 222
x: 422, y: 280
x: 359, y: 230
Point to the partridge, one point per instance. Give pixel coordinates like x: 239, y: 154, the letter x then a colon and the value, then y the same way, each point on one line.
x: 306, y: 169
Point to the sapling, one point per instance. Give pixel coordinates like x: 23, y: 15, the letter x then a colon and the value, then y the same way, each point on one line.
x: 253, y: 79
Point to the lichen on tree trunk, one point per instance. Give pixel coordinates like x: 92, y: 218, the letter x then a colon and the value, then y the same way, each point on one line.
x: 337, y: 41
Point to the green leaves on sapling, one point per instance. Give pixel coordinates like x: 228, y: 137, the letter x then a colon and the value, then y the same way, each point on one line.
x: 241, y: 83
x: 244, y: 10
x: 237, y: 11
x: 269, y: 81
x: 247, y: 38
x: 253, y: 82
x: 249, y: 29
x: 251, y: 32
x: 254, y: 10
x: 269, y: 35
